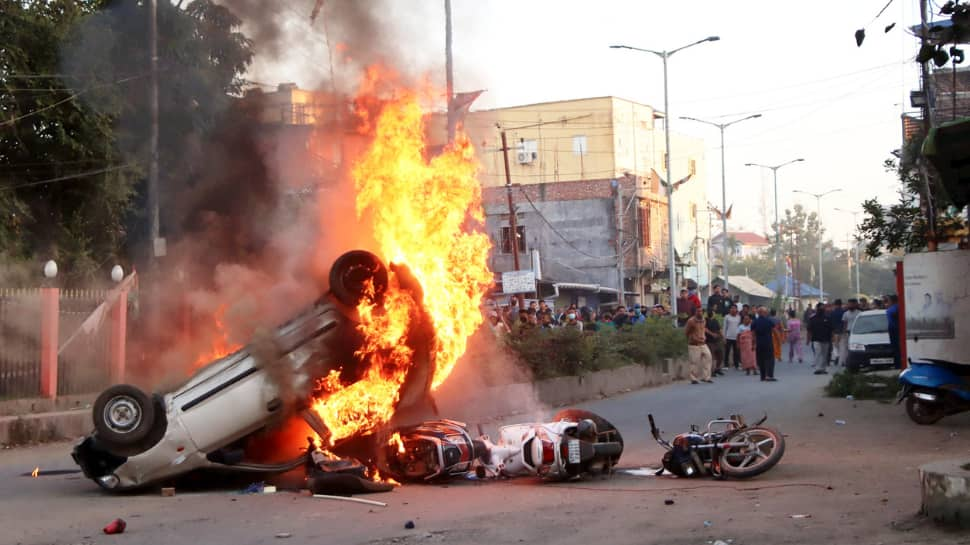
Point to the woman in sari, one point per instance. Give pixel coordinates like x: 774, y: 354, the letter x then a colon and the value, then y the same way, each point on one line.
x: 746, y: 346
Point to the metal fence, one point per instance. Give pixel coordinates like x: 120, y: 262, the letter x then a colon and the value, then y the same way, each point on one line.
x: 81, y: 368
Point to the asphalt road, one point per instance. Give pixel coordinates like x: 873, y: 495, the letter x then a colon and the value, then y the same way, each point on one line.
x: 858, y: 482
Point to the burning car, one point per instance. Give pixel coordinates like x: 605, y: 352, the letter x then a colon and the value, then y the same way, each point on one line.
x: 140, y: 438
x: 574, y: 444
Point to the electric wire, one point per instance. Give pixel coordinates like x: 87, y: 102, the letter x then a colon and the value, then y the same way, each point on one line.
x: 556, y: 231
x: 68, y: 177
x: 15, y: 119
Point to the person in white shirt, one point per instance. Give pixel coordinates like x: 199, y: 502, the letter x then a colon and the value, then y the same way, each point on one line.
x: 731, y: 354
x: 848, y: 318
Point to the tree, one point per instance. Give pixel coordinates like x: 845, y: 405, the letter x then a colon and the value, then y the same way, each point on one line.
x: 89, y: 128
x: 902, y: 225
x: 800, y: 232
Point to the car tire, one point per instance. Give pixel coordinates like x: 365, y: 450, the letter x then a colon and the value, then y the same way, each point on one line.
x: 350, y: 274
x: 923, y: 413
x: 123, y: 416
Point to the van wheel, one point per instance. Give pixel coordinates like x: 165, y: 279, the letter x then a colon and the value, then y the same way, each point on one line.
x: 123, y: 416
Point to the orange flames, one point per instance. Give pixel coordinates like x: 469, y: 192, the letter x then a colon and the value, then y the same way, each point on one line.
x: 419, y: 212
x: 220, y: 344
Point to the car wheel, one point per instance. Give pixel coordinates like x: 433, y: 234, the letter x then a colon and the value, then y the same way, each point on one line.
x: 353, y: 272
x: 924, y: 413
x: 123, y: 416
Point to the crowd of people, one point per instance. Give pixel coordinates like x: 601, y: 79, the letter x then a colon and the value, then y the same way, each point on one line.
x: 724, y: 333
x: 753, y: 339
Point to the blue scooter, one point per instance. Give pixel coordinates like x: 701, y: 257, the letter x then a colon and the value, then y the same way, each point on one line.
x: 933, y: 389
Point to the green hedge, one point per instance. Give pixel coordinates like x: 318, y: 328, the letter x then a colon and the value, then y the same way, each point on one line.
x: 863, y: 386
x: 565, y: 351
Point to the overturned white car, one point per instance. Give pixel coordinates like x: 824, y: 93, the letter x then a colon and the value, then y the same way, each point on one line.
x: 141, y: 439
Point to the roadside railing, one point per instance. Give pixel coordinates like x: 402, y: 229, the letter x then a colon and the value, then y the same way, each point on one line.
x: 60, y: 342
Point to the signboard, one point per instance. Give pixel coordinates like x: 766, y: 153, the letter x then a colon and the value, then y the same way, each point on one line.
x: 937, y: 299
x: 518, y: 282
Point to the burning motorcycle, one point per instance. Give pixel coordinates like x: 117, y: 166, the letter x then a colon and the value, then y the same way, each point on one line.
x: 576, y: 443
x: 737, y: 451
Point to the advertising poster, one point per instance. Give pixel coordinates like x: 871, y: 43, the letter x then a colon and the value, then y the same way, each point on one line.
x: 937, y: 298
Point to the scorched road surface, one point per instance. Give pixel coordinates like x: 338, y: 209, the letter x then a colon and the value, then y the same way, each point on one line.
x: 851, y: 483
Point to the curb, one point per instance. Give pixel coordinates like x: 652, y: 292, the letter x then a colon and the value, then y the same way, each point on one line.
x: 33, y: 428
x: 945, y: 490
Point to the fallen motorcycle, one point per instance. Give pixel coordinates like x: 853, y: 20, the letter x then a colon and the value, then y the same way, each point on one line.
x: 574, y: 444
x: 737, y: 451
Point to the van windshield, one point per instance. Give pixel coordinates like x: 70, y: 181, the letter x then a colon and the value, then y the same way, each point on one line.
x: 874, y: 323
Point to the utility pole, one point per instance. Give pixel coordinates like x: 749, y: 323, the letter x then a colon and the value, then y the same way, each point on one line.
x: 513, y: 229
x: 725, y: 256
x: 619, y: 244
x: 449, y: 74
x: 153, y: 135
x: 927, y: 203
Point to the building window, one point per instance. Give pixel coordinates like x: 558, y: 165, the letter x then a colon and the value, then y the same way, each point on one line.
x: 507, y: 242
x: 692, y: 169
x: 579, y: 145
x: 644, y: 226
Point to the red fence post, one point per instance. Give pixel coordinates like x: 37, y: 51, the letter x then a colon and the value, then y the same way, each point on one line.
x: 49, y: 317
x: 118, y: 336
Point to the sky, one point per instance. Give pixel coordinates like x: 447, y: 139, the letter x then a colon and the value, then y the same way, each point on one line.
x: 822, y: 98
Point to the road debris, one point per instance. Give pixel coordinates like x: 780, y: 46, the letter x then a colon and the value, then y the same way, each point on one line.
x: 708, y: 524
x: 283, y: 535
x: 409, y: 525
x: 840, y: 422
x: 269, y: 489
x: 168, y: 492
x: 255, y: 488
x: 668, y: 501
x: 801, y: 516
x: 353, y: 500
x: 116, y: 526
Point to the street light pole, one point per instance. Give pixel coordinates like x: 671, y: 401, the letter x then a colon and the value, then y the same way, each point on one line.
x: 818, y: 218
x: 855, y: 223
x: 725, y: 258
x: 774, y: 171
x: 671, y: 262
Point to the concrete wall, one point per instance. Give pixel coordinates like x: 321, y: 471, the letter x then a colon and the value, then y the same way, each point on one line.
x: 492, y: 402
x: 537, y: 399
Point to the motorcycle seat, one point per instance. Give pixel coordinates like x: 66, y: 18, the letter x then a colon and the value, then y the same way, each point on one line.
x: 958, y: 369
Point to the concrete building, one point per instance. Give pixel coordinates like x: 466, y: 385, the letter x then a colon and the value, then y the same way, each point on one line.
x: 745, y: 244
x: 580, y: 169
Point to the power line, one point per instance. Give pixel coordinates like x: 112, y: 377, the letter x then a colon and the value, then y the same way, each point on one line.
x: 69, y: 177
x: 560, y: 235
x: 13, y: 120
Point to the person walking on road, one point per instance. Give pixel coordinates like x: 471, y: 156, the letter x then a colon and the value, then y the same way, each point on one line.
x: 732, y: 321
x: 820, y: 333
x: 848, y: 318
x: 794, y: 337
x: 697, y: 351
x: 835, y: 318
x: 892, y: 316
x: 746, y: 344
x: 764, y: 328
x: 715, y: 342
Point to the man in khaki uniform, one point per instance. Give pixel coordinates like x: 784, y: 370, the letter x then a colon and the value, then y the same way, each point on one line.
x: 697, y: 351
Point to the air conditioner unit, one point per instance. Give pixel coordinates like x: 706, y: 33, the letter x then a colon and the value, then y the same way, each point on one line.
x: 526, y: 157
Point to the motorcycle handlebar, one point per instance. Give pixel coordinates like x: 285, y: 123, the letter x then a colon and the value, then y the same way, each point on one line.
x: 653, y: 427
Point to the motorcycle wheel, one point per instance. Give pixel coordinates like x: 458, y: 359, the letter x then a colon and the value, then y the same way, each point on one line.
x: 607, y: 432
x: 924, y: 413
x: 764, y: 448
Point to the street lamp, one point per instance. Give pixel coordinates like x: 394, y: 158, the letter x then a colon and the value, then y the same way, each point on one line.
x: 671, y: 264
x: 724, y: 250
x: 774, y: 171
x: 818, y: 214
x: 855, y: 223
